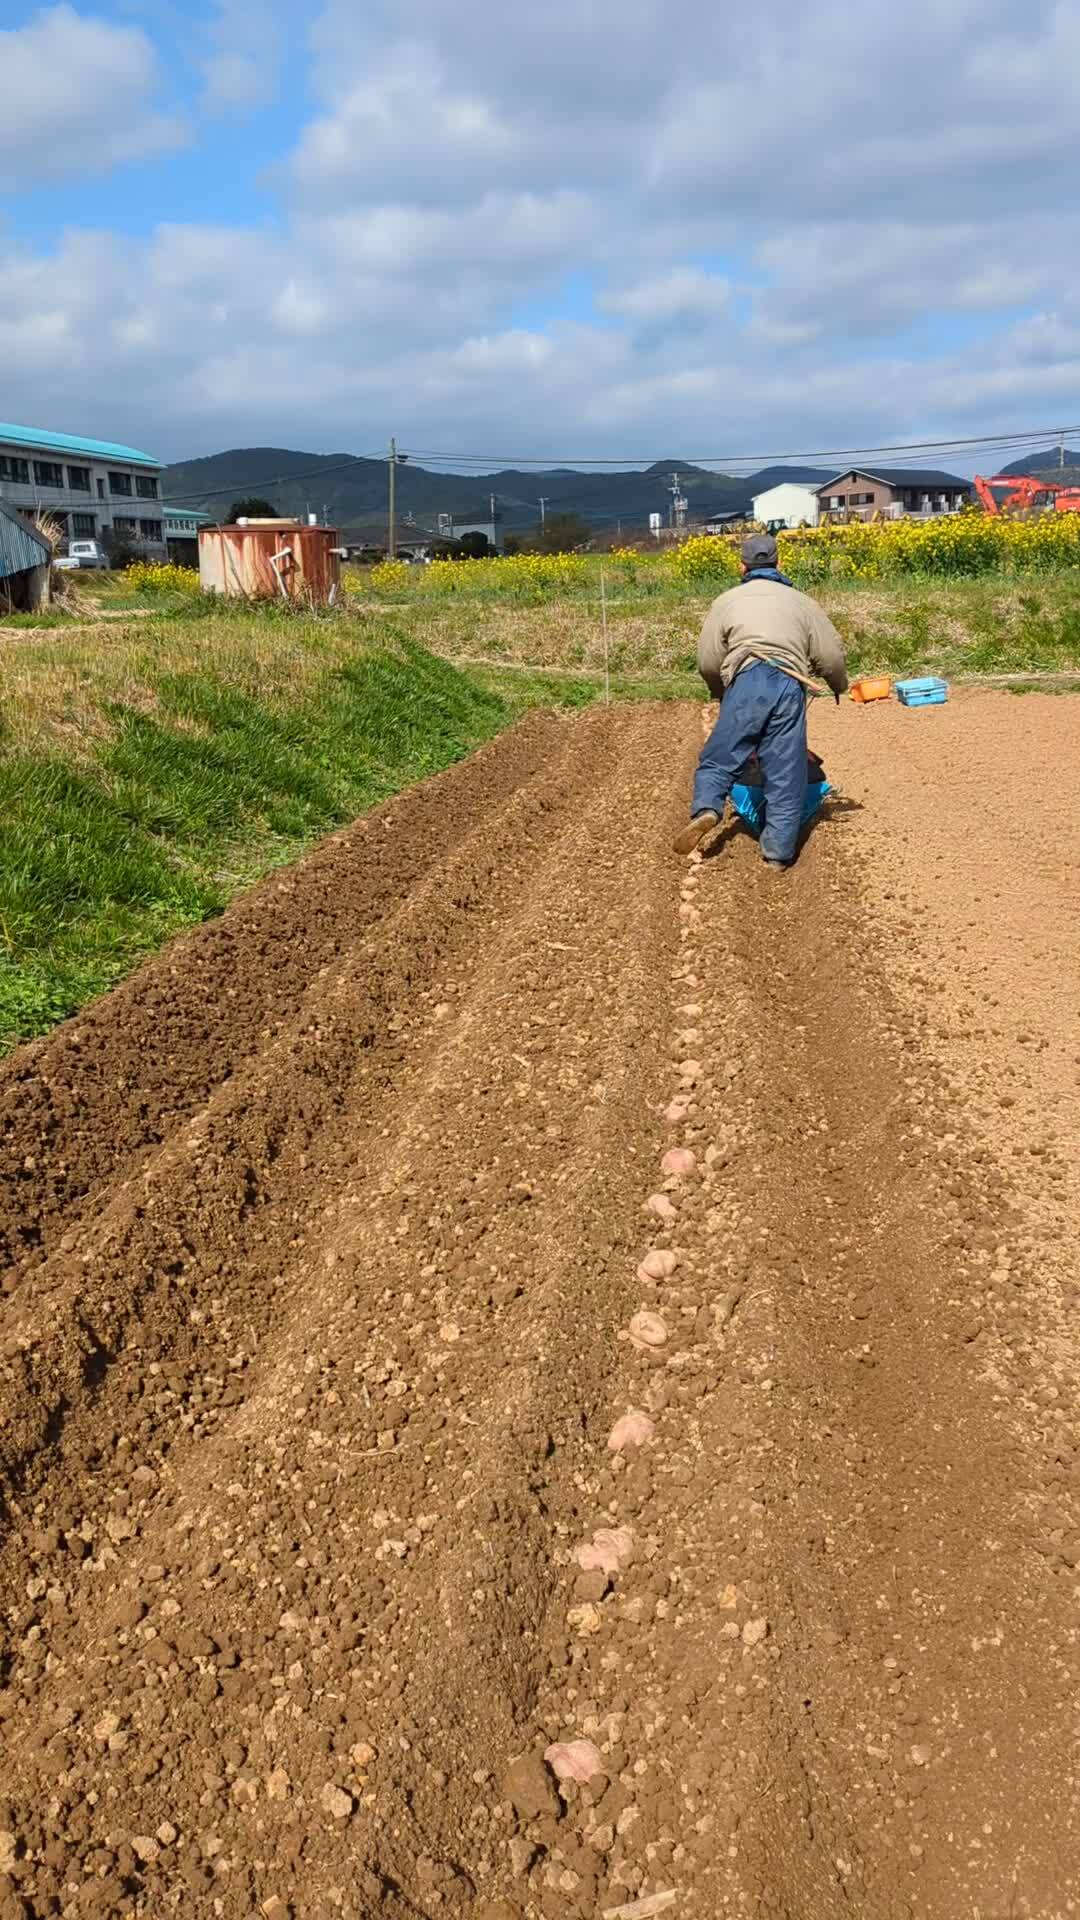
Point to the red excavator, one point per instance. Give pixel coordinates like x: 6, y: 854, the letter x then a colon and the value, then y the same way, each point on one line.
x: 1026, y: 493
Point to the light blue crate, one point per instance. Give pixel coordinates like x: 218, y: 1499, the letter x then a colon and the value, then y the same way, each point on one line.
x: 927, y: 692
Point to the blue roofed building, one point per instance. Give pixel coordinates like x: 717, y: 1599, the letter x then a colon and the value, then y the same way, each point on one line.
x: 93, y: 487
x: 182, y: 525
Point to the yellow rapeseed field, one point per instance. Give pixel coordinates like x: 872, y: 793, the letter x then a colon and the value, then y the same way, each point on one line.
x: 962, y: 545
x: 955, y: 546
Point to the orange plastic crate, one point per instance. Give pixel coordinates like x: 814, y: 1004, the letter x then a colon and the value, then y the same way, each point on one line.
x: 864, y: 690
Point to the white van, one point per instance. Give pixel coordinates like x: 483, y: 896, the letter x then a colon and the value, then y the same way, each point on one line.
x: 82, y: 554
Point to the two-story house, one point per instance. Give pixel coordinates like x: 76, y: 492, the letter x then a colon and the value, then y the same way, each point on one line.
x: 894, y: 492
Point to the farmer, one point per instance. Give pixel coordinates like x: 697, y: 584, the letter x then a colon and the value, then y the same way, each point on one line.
x: 759, y: 647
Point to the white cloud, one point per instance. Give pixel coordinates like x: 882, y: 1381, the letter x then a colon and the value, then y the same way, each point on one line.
x: 504, y: 353
x: 853, y: 278
x: 682, y: 295
x: 300, y: 309
x: 242, y: 70
x: 384, y: 129
x: 77, y: 98
x: 874, y: 180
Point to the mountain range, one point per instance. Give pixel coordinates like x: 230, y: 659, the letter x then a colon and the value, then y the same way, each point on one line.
x: 350, y: 490
x: 1048, y: 466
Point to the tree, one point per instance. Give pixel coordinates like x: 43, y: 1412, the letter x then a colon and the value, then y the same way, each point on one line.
x: 120, y: 547
x: 560, y: 533
x: 475, y: 545
x: 254, y: 509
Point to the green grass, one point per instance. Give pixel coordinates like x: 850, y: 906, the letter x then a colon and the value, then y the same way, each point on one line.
x: 196, y: 787
x: 962, y: 627
x: 44, y: 617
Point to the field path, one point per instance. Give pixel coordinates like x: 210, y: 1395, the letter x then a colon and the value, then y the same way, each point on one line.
x: 340, y: 1242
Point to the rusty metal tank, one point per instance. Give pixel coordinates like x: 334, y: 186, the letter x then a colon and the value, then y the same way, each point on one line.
x: 272, y: 560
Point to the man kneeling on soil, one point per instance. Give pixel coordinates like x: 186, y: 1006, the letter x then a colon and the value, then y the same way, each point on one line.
x: 760, y: 644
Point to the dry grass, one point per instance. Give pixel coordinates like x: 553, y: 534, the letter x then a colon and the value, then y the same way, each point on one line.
x: 950, y: 626
x: 569, y: 634
x: 60, y: 682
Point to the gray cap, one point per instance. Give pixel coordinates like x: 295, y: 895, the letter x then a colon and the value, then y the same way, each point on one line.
x: 759, y: 550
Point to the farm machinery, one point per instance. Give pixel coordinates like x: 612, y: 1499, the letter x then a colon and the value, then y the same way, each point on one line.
x: 1026, y: 493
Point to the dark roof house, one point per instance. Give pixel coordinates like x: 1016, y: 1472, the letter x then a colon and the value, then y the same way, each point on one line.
x: 860, y: 493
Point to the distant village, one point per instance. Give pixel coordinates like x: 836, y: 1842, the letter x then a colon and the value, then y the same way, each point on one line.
x: 112, y: 495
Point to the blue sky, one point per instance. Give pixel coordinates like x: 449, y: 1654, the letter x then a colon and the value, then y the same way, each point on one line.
x: 597, y: 227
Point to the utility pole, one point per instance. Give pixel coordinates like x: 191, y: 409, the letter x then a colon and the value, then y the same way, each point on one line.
x: 396, y: 460
x: 391, y: 544
x: 544, y: 498
x: 1061, y: 451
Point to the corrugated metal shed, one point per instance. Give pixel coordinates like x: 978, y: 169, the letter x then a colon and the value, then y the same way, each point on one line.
x: 20, y: 547
x: 264, y: 559
x: 72, y: 443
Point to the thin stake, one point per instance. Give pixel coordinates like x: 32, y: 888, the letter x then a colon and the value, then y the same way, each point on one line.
x: 391, y: 544
x: 603, y: 621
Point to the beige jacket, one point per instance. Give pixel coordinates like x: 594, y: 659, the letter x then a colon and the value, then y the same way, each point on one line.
x: 761, y: 619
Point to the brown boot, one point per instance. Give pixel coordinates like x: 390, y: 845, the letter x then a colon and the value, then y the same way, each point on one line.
x: 692, y: 835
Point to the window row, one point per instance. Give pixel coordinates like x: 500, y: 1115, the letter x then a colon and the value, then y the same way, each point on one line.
x: 145, y: 485
x: 84, y: 526
x: 49, y: 473
x: 146, y: 529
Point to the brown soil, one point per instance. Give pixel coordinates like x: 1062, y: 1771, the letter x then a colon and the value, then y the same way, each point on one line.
x: 324, y: 1294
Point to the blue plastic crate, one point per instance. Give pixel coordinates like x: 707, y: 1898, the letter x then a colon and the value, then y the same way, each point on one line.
x: 749, y: 802
x: 928, y: 692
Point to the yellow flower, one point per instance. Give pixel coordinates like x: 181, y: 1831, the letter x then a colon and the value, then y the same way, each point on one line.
x: 390, y: 576
x: 159, y: 576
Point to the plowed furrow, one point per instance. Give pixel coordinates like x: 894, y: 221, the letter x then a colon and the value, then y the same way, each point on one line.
x: 341, y: 1238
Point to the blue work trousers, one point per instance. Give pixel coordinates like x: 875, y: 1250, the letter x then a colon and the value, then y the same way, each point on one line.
x: 763, y: 711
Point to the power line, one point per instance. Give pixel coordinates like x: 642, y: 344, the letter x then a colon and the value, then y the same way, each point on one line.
x: 728, y: 460
x: 237, y: 487
x: 907, y: 452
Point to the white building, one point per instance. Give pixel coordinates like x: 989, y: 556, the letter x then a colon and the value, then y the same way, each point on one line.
x: 91, y: 486
x: 489, y: 529
x: 788, y: 503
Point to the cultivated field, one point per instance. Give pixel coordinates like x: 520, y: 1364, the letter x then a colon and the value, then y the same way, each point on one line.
x: 539, y: 1379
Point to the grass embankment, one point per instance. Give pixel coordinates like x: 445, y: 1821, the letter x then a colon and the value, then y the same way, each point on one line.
x: 953, y: 627
x: 150, y: 770
x: 154, y: 764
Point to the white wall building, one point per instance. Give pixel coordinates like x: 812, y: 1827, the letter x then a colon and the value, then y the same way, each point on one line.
x: 788, y: 502
x: 91, y: 485
x: 489, y: 528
